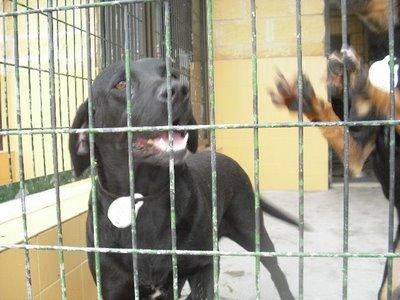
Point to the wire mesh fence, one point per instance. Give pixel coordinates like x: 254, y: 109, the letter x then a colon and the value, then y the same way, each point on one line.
x: 50, y: 54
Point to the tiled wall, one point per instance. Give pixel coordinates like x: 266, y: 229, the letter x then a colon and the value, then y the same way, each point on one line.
x: 45, y: 267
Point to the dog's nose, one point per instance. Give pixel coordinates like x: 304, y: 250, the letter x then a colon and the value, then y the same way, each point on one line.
x: 179, y: 92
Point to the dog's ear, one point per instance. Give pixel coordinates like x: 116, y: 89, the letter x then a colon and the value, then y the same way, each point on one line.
x: 193, y: 139
x: 79, y: 142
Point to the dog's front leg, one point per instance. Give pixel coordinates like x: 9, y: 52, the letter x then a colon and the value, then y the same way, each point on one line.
x: 201, y: 284
x: 396, y: 274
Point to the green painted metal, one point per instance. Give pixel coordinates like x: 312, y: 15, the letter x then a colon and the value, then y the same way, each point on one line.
x: 93, y: 168
x: 25, y: 187
x: 300, y: 146
x: 129, y: 110
x: 211, y: 99
x: 377, y: 255
x: 256, y: 149
x: 167, y: 23
x: 74, y: 7
x: 6, y: 99
x: 55, y: 152
x: 28, y: 275
x: 220, y: 126
x: 346, y: 154
x: 392, y: 149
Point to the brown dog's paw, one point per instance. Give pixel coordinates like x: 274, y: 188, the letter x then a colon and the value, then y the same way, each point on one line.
x: 335, y: 64
x: 287, y: 95
x: 351, y: 59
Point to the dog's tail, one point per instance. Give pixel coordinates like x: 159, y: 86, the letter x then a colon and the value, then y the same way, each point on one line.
x: 278, y: 213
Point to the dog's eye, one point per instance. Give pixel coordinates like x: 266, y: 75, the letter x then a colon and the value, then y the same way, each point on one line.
x: 120, y: 85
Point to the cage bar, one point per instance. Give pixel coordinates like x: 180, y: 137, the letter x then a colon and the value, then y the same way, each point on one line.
x: 22, y: 191
x: 346, y: 154
x: 211, y: 95
x: 93, y: 168
x: 55, y: 151
x: 129, y: 108
x: 299, y: 53
x: 167, y: 23
x: 392, y: 149
x: 256, y: 148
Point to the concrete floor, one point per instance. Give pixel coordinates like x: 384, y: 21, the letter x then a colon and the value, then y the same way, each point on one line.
x: 322, y: 276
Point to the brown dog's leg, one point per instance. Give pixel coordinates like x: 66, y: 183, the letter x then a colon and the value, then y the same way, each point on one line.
x: 318, y: 110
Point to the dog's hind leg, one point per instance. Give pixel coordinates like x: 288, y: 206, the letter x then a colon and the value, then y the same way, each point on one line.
x: 201, y: 284
x: 245, y: 237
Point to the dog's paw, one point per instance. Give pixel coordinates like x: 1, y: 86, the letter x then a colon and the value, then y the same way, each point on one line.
x: 351, y: 59
x: 287, y: 95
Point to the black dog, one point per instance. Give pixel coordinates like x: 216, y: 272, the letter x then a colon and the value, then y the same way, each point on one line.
x: 367, y: 103
x: 236, y: 209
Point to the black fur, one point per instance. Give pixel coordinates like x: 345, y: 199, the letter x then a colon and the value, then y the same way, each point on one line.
x: 235, y: 195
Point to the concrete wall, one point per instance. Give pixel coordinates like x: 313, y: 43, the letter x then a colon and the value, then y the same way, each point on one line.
x: 276, y: 33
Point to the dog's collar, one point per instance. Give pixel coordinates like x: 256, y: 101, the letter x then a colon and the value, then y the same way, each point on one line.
x: 108, y: 194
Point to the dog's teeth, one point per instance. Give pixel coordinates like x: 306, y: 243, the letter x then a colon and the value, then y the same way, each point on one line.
x: 150, y: 142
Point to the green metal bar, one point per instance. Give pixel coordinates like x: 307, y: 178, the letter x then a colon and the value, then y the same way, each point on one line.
x: 55, y: 150
x: 346, y: 155
x: 62, y: 21
x: 377, y: 255
x: 167, y: 20
x: 392, y: 153
x: 25, y: 131
x: 6, y: 99
x: 28, y: 275
x: 74, y: 7
x: 256, y: 149
x: 129, y: 109
x: 30, y: 95
x: 40, y: 88
x: 211, y: 95
x: 60, y: 114
x: 93, y: 168
x: 5, y: 63
x: 300, y: 145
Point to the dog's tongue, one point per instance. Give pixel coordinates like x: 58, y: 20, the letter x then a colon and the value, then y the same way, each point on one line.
x: 179, y: 142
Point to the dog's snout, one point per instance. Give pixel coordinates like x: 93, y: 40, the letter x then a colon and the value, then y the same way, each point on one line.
x: 179, y: 92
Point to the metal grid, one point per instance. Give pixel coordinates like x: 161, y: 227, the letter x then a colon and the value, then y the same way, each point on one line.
x: 118, y: 14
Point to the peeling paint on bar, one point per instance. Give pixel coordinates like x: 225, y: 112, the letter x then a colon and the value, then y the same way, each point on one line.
x: 211, y: 98
x: 56, y: 178
x: 74, y: 7
x: 167, y: 21
x: 24, y: 131
x: 377, y: 255
x: 392, y: 147
x: 346, y: 154
x: 256, y: 149
x: 300, y: 146
x: 93, y: 168
x: 129, y: 108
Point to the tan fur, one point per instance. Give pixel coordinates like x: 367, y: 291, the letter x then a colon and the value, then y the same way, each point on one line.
x: 376, y: 15
x: 335, y: 137
x: 381, y: 101
x: 363, y: 106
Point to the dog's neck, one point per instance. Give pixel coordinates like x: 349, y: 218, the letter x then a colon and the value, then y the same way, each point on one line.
x: 149, y: 179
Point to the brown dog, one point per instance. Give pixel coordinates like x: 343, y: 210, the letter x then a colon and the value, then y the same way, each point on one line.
x: 366, y: 103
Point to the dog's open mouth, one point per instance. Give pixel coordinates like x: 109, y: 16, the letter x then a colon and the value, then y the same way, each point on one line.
x: 160, y: 143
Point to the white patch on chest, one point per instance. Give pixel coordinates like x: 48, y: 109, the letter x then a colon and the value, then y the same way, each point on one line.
x: 379, y: 74
x: 156, y: 294
x: 119, y: 212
